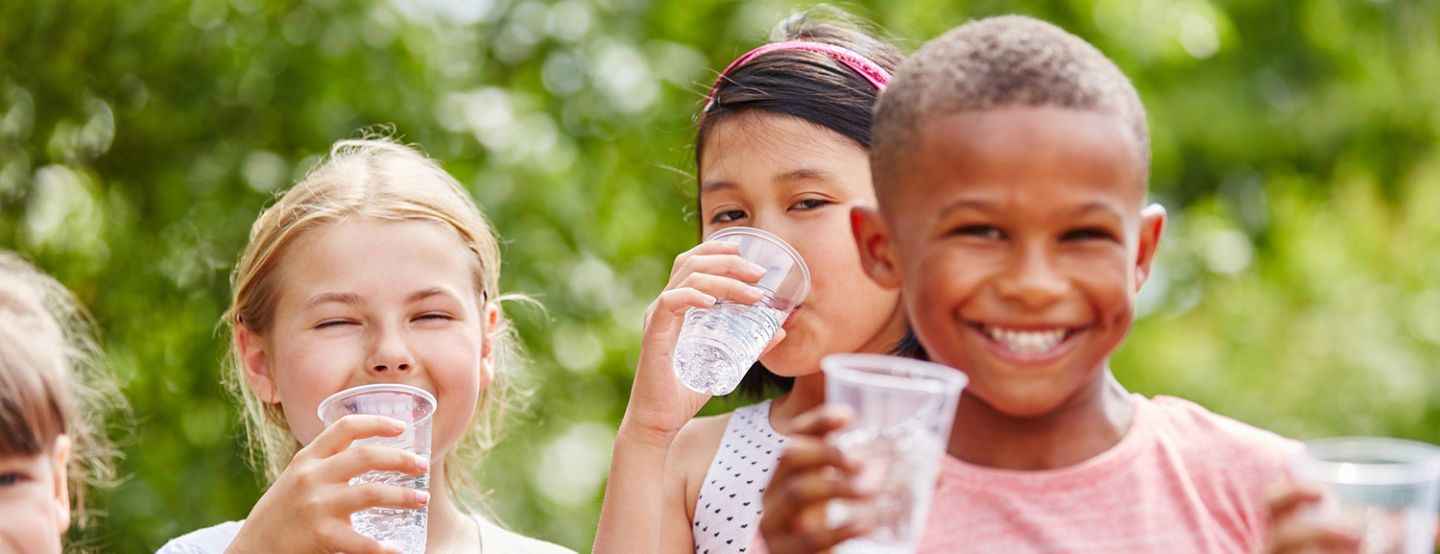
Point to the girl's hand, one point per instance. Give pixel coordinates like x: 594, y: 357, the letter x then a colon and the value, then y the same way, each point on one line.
x: 308, y: 508
x: 659, y: 404
x: 810, y: 474
x: 1291, y: 530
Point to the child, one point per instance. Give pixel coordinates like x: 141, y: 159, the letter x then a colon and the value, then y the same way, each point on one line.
x: 782, y: 145
x: 1011, y: 161
x: 52, y: 399
x: 376, y: 268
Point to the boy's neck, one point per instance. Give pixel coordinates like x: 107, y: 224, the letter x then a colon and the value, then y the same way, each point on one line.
x: 1085, y: 426
x: 448, y: 529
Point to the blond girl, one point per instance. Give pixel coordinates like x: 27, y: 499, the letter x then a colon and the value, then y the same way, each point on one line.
x: 376, y: 268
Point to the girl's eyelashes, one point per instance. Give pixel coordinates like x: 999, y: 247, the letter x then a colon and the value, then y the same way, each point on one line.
x: 810, y: 204
x: 728, y: 216
x: 434, y: 316
x: 329, y: 323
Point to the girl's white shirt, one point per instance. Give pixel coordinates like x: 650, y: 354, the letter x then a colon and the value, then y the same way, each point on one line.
x: 493, y: 540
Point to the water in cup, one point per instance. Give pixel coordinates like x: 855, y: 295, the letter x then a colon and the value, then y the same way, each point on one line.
x: 403, y: 529
x: 903, y: 410
x: 1386, y: 491
x: 717, y: 345
x: 900, y: 465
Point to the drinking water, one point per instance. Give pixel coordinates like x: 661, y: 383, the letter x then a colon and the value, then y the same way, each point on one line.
x: 901, y: 464
x: 719, y: 344
x: 402, y: 529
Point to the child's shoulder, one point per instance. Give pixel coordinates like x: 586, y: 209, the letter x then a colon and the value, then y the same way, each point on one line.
x: 214, y: 539
x: 498, y: 539
x: 1205, y: 435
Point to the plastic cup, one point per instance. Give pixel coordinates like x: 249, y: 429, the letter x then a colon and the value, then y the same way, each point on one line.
x: 903, y: 410
x: 718, y: 344
x: 402, y: 529
x: 1384, y: 490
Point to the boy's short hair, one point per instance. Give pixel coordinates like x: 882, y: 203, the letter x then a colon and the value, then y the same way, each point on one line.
x: 996, y: 62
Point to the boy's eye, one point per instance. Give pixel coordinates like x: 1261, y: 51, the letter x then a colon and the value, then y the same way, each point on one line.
x: 810, y: 204
x: 727, y: 216
x: 979, y: 231
x: 1087, y: 233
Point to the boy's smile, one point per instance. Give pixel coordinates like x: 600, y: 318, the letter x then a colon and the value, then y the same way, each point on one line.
x: 1019, y: 237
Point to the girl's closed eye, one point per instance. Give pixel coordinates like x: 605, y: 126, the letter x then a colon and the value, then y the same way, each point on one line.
x: 334, y: 323
x: 434, y: 317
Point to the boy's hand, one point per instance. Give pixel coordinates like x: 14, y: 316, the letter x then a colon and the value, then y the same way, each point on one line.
x: 810, y: 474
x: 1292, y: 531
x: 308, y: 508
x: 712, y: 271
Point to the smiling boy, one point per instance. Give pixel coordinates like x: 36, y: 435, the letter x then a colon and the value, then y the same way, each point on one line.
x: 1010, y: 162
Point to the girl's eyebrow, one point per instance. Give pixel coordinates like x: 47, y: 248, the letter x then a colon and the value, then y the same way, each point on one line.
x: 427, y: 293
x: 336, y: 297
x: 805, y: 174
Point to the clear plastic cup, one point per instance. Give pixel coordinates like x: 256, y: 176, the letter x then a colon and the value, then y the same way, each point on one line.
x: 903, y: 410
x: 402, y: 529
x: 1387, y: 491
x: 718, y: 345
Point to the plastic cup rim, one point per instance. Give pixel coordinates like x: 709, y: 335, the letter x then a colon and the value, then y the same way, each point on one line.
x: 777, y: 241
x: 894, y: 372
x: 1408, y: 462
x: 378, y: 387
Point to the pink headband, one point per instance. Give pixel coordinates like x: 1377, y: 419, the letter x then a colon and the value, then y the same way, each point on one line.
x: 866, y: 68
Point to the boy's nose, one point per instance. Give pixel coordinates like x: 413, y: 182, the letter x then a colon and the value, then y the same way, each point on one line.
x: 1033, y: 280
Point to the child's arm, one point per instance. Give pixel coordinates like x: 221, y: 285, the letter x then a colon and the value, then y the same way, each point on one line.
x: 308, y: 508
x: 1291, y: 531
x: 638, y: 511
x: 810, y: 474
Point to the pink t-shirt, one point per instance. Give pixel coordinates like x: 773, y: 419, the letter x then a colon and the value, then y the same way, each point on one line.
x: 1181, y: 480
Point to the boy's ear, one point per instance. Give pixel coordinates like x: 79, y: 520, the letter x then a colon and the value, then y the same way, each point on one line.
x: 491, y: 312
x: 60, y: 464
x: 872, y: 238
x: 1152, y: 224
x: 255, y: 364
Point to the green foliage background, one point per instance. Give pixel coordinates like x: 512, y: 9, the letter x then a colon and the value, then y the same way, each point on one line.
x: 1295, y: 145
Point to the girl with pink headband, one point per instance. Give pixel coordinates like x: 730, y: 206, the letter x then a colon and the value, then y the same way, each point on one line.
x: 782, y: 145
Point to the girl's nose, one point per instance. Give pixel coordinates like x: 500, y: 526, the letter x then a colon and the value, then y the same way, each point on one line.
x: 390, y: 353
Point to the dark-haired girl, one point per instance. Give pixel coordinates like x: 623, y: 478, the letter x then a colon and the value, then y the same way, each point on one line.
x: 782, y: 145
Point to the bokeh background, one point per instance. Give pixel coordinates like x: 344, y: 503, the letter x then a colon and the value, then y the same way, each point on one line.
x: 1295, y: 145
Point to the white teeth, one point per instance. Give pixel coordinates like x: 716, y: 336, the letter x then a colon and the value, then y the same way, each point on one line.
x: 1027, y: 342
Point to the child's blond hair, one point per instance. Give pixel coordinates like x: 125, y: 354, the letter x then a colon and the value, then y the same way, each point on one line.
x: 367, y: 178
x: 52, y: 382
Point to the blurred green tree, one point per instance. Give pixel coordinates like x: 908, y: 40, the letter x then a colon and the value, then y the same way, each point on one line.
x: 1295, y: 143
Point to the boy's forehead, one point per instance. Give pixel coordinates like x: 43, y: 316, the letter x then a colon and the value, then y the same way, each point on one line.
x: 1019, y: 150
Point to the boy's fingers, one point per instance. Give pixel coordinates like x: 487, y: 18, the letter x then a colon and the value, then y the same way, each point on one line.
x: 358, y: 460
x: 1297, y: 536
x: 338, y: 436
x: 1286, y: 500
x: 822, y: 420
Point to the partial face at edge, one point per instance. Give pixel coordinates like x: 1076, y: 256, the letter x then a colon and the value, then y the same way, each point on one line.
x: 35, y: 500
x: 1020, y: 238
